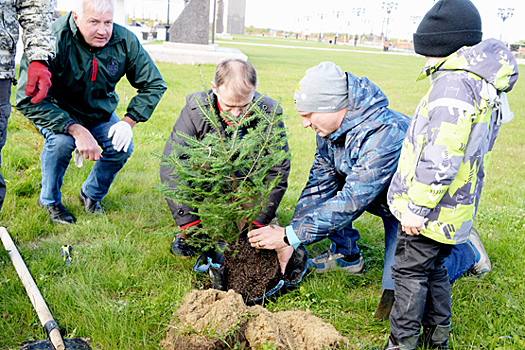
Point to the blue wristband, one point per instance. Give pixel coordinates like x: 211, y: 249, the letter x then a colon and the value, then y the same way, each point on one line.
x: 293, y: 240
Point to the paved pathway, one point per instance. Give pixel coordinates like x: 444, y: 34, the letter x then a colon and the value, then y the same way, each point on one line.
x: 521, y: 61
x: 317, y: 48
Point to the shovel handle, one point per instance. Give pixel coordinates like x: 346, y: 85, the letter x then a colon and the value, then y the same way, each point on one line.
x: 32, y: 290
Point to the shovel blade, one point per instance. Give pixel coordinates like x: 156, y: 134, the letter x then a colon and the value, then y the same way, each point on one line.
x: 385, y: 305
x: 71, y: 344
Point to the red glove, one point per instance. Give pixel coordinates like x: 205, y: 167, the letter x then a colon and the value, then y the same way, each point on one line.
x: 38, y: 81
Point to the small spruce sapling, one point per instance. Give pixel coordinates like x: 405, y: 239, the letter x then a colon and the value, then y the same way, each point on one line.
x: 223, y: 175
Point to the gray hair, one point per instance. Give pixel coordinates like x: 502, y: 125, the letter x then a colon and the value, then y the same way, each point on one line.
x: 99, y: 6
x: 238, y: 74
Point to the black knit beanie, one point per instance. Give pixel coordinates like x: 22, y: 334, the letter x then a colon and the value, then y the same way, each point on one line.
x: 448, y: 26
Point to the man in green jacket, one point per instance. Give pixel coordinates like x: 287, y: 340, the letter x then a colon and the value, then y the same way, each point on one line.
x: 92, y: 55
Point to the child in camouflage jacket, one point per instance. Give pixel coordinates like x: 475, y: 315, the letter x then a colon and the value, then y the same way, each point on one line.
x: 436, y: 189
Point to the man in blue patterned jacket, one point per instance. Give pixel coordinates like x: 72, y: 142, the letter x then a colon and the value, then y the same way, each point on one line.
x: 358, y: 146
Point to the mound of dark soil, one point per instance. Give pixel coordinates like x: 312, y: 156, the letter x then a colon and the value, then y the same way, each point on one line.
x: 251, y: 272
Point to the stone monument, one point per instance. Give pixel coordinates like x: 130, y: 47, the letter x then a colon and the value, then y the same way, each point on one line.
x: 188, y: 37
x: 230, y: 16
x: 235, y: 10
x: 219, y: 26
x: 193, y: 24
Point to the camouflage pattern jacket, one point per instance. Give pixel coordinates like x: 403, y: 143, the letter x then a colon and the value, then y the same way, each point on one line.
x: 449, y: 142
x: 35, y: 18
x: 352, y: 166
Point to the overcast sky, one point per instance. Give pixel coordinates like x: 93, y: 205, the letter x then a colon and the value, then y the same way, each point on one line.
x: 292, y: 14
x: 305, y: 15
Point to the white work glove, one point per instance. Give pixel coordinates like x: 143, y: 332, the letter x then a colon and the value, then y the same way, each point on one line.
x: 121, y: 134
x: 79, y: 159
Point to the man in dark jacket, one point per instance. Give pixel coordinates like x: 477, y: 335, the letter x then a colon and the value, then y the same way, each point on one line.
x: 232, y: 91
x: 359, y: 141
x: 92, y: 55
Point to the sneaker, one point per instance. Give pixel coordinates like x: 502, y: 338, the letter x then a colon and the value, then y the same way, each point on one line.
x: 181, y: 248
x: 482, y: 266
x: 329, y: 260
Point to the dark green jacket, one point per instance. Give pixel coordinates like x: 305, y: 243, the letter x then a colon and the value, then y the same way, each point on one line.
x: 84, y: 79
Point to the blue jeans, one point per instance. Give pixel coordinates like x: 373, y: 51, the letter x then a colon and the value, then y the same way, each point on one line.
x: 56, y: 156
x: 5, y: 111
x: 460, y: 260
x: 346, y: 239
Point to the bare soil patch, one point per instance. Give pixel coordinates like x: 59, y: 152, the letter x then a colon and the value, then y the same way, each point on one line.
x: 216, y: 320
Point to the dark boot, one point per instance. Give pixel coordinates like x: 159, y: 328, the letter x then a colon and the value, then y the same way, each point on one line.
x: 181, y: 248
x: 58, y: 213
x: 402, y: 344
x: 385, y: 305
x: 435, y: 337
x: 91, y: 206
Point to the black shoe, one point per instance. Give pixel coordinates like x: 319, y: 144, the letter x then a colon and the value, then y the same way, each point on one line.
x: 181, y: 248
x: 91, y: 206
x: 58, y: 213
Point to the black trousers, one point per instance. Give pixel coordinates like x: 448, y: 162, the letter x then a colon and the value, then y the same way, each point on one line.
x: 422, y: 287
x: 5, y: 111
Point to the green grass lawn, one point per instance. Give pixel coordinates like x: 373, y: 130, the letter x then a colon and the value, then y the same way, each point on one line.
x: 123, y: 285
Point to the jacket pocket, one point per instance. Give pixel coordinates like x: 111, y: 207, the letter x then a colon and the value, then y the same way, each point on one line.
x: 8, y: 27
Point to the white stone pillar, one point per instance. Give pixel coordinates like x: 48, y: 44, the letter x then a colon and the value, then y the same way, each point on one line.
x: 225, y: 17
x: 120, y: 17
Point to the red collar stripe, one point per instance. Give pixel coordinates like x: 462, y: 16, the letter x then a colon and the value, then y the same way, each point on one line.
x: 94, y: 73
x: 196, y: 222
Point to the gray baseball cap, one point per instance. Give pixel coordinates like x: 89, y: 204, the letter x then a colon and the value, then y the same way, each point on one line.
x: 323, y: 89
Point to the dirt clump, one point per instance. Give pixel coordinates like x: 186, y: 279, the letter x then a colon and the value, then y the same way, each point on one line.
x: 216, y: 320
x: 292, y: 330
x: 251, y: 272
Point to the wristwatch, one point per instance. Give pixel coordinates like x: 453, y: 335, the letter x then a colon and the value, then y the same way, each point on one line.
x: 285, y: 239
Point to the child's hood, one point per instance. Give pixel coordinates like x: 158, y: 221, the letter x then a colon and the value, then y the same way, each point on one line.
x: 490, y: 59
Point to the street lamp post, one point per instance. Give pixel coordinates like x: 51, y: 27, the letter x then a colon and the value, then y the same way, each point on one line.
x: 358, y: 12
x: 321, y: 17
x: 415, y: 19
x: 504, y: 14
x: 167, y: 26
x: 388, y: 7
x: 337, y: 14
